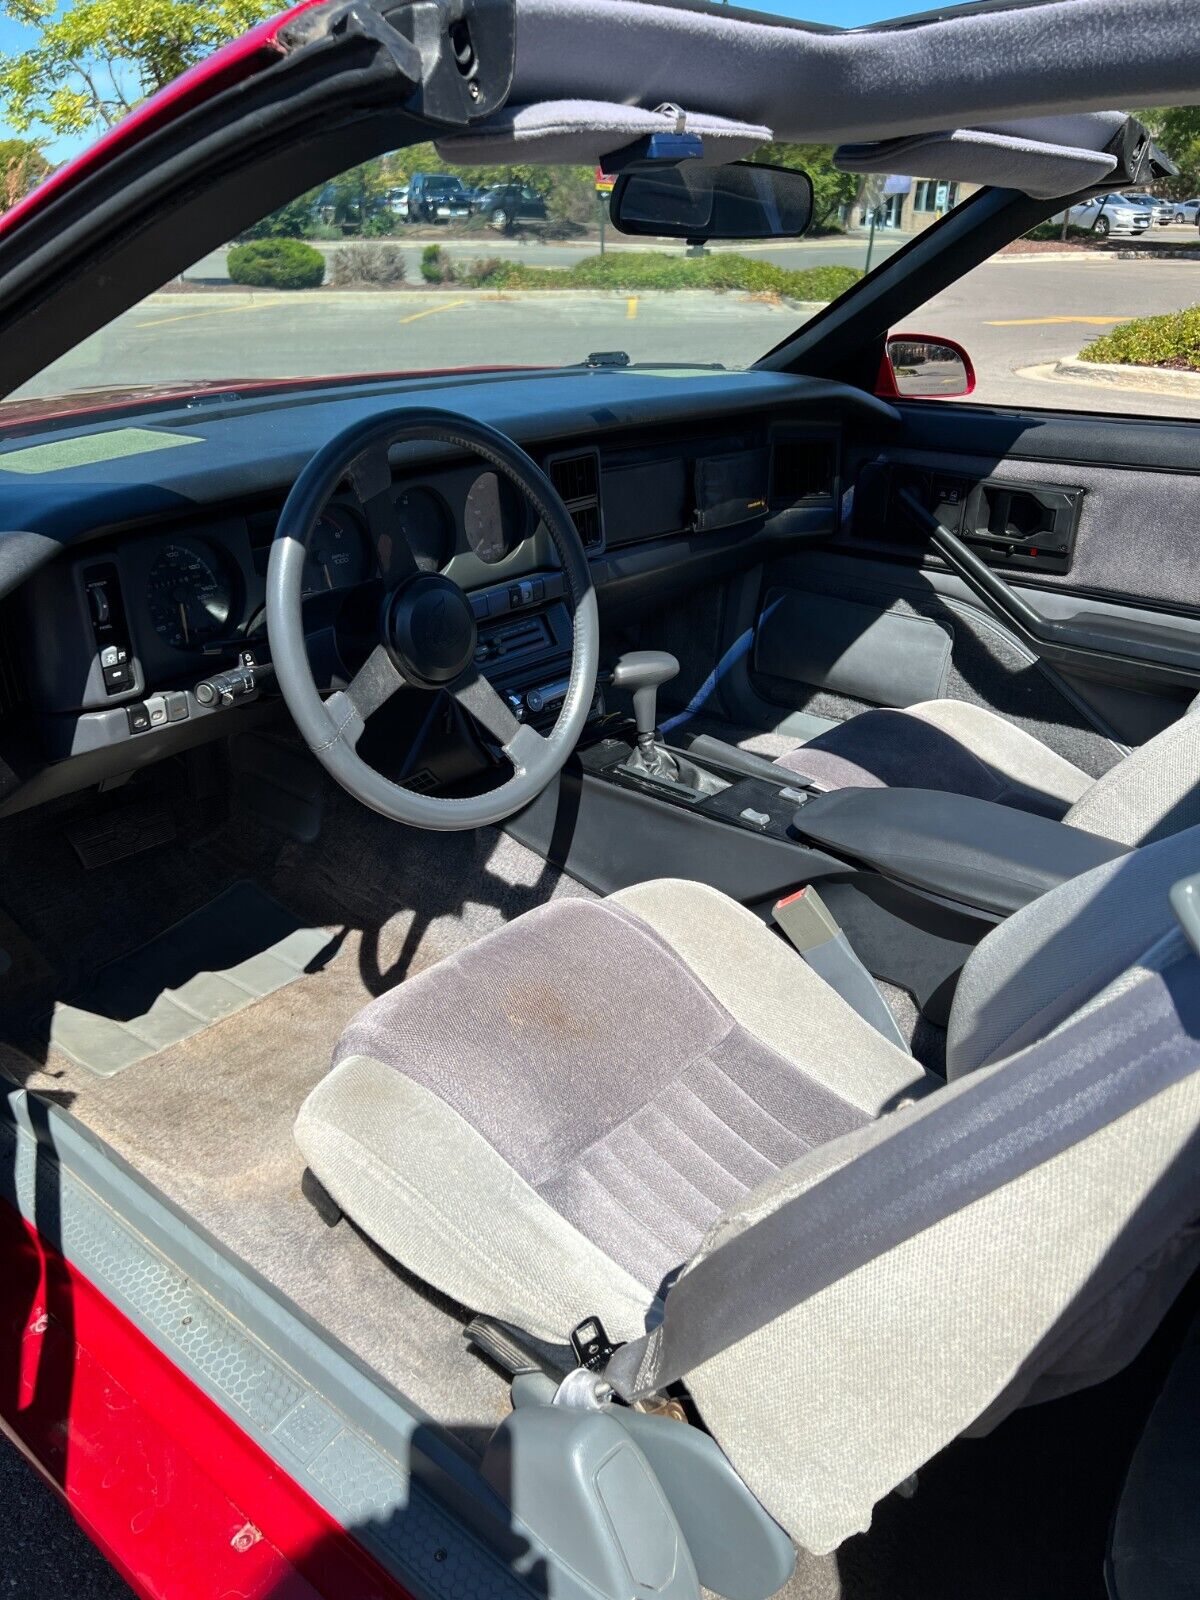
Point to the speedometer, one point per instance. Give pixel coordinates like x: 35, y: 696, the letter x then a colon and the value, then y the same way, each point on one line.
x: 188, y: 595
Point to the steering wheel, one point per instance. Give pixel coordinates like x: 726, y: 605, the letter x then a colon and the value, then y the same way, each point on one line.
x: 426, y: 628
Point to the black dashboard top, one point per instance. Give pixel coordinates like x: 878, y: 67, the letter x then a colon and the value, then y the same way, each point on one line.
x: 70, y: 480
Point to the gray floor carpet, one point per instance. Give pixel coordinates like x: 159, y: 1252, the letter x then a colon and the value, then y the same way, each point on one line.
x: 209, y: 1119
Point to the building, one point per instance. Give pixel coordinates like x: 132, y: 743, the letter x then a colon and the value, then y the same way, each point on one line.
x: 911, y: 204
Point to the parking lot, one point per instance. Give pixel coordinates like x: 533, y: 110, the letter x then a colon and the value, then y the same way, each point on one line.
x: 1017, y: 316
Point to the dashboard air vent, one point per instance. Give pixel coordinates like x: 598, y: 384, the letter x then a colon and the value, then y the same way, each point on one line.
x: 802, y: 469
x: 577, y: 479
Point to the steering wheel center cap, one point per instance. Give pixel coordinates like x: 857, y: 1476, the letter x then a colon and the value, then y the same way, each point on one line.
x: 431, y: 630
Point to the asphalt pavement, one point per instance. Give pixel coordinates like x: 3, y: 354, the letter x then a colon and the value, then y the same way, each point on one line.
x: 42, y: 1550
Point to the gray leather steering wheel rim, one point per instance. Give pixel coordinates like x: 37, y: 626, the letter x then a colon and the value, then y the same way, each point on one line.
x: 331, y: 727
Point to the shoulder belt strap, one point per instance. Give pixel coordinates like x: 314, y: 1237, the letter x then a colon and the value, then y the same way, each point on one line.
x: 950, y: 1152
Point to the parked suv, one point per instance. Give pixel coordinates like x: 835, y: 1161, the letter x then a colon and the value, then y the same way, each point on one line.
x: 1161, y: 211
x: 438, y: 197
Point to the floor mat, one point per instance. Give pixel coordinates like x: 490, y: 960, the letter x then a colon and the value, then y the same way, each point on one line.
x: 239, y: 948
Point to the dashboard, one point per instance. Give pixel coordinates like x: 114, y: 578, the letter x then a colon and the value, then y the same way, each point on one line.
x: 142, y: 617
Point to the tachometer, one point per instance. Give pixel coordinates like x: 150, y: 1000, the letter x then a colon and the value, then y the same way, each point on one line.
x: 188, y: 595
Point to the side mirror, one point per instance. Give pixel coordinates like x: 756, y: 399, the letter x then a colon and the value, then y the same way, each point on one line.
x: 919, y: 366
x: 697, y: 202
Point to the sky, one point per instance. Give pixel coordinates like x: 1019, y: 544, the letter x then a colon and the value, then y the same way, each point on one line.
x: 842, y: 13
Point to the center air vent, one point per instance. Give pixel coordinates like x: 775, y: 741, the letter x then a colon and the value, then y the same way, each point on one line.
x: 577, y: 479
x: 802, y: 469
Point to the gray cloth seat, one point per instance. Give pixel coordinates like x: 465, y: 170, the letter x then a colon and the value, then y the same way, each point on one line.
x: 966, y: 749
x: 556, y: 1122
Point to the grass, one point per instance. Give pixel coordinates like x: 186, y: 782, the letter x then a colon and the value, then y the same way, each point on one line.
x: 1172, y: 341
x: 632, y: 271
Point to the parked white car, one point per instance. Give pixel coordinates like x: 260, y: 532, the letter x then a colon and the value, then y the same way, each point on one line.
x: 1107, y: 214
x: 1187, y: 210
x: 1161, y: 211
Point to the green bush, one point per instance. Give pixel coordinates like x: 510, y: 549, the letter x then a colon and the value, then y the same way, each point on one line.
x: 1172, y: 340
x: 276, y: 264
x: 634, y: 270
x: 1052, y: 232
x: 436, y: 265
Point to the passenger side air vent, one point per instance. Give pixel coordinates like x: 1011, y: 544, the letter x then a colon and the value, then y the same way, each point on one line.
x: 802, y: 469
x: 577, y: 479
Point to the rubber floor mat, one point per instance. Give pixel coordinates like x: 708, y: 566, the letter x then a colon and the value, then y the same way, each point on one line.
x: 230, y: 953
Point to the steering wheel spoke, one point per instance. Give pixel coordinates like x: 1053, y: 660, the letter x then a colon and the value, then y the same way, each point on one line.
x: 372, y: 686
x: 483, y: 705
x: 370, y: 476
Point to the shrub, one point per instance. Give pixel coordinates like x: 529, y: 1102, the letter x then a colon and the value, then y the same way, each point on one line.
x: 367, y: 263
x: 1172, y: 340
x: 276, y: 264
x: 436, y: 265
x: 1052, y: 232
x: 634, y: 270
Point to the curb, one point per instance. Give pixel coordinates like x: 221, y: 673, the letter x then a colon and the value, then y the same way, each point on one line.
x: 1114, y: 375
x: 1079, y: 256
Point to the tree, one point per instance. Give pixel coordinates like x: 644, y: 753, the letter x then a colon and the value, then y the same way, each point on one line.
x: 22, y: 168
x: 94, y: 60
x: 1177, y: 130
x: 831, y: 189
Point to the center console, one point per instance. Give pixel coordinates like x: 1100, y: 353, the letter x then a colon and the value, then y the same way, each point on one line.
x: 915, y: 878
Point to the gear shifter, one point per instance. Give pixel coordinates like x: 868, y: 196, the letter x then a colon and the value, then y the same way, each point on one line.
x: 645, y: 671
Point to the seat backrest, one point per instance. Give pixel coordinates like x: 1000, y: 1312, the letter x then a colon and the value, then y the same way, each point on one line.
x: 1055, y: 954
x: 1048, y: 1281
x: 1152, y: 793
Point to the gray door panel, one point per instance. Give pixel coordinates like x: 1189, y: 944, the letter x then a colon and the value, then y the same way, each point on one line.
x: 1130, y: 558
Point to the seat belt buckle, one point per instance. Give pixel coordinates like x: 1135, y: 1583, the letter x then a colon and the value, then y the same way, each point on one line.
x: 591, y: 1344
x: 813, y: 930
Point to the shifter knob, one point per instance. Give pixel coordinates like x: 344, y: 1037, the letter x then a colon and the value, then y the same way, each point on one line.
x: 644, y: 671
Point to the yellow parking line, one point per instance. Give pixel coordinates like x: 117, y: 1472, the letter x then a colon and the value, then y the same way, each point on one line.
x: 217, y: 311
x: 631, y: 306
x: 1045, y: 322
x: 416, y: 316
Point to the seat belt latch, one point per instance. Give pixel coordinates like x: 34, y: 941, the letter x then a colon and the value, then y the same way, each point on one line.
x: 592, y: 1346
x: 813, y: 930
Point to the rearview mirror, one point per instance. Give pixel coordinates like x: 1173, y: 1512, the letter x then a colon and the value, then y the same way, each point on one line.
x: 918, y: 366
x: 698, y: 202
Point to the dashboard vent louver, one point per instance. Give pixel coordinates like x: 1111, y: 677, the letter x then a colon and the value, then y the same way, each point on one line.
x: 577, y: 479
x: 802, y: 469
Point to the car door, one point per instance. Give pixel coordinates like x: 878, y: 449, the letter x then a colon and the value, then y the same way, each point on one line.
x: 1086, y: 512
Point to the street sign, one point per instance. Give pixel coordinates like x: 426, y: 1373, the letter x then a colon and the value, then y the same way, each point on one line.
x: 604, y: 181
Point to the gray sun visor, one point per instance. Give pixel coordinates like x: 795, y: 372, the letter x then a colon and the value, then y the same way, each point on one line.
x: 584, y: 132
x: 1044, y: 158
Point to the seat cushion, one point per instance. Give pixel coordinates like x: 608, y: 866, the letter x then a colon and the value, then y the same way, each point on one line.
x: 545, y: 1125
x: 941, y: 744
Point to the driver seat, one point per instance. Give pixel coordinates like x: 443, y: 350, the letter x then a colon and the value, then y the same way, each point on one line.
x: 552, y: 1124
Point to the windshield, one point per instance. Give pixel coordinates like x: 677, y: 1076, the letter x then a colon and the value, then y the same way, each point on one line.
x: 401, y: 266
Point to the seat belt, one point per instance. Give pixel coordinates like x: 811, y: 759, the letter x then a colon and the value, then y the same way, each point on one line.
x: 956, y: 1148
x: 817, y: 937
